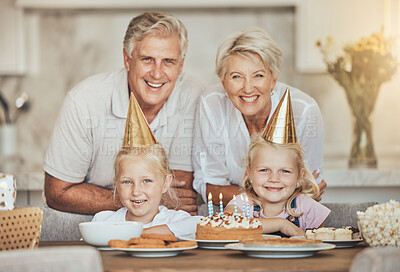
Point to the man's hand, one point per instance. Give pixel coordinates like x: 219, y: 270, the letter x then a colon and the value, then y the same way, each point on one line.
x: 187, y: 197
x: 182, y: 185
x: 321, y: 186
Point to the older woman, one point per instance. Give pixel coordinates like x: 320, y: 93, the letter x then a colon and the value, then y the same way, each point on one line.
x: 248, y: 65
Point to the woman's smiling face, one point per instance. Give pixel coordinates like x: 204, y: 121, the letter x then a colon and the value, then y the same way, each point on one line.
x: 274, y: 174
x: 249, y: 84
x: 140, y: 186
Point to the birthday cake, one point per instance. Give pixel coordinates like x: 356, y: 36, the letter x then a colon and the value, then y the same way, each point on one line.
x: 228, y: 227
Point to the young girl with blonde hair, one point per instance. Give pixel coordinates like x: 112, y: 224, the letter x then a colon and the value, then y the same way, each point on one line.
x: 279, y: 189
x: 142, y: 180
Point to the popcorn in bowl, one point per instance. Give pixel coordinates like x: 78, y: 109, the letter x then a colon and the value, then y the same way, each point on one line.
x: 380, y: 224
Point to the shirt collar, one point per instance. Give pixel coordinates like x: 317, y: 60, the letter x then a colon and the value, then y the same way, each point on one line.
x: 120, y: 96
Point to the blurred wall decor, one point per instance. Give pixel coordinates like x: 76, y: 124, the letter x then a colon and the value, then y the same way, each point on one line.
x: 361, y: 69
x: 64, y: 41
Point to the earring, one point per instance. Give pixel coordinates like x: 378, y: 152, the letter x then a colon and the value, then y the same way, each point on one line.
x: 297, y: 185
x: 226, y: 94
x: 272, y: 92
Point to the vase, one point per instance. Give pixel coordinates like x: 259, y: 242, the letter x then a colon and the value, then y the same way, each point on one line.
x: 361, y: 99
x: 362, y: 154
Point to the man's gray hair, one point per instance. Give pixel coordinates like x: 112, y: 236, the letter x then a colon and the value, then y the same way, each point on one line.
x: 154, y: 23
x: 247, y: 43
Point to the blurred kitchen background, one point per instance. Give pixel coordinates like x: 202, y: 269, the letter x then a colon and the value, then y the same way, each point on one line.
x: 48, y: 46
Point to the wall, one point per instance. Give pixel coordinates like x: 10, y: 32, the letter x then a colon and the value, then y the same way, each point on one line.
x: 63, y: 46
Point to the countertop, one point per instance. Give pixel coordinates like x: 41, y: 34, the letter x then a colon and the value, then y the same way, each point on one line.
x: 335, y: 178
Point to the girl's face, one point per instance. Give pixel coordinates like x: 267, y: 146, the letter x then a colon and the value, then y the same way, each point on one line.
x: 249, y: 84
x: 140, y: 186
x: 274, y: 174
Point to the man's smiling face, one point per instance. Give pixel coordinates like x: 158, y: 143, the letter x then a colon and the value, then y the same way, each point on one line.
x: 153, y: 69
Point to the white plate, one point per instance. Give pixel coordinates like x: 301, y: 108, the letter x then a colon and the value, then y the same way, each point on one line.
x: 280, y: 252
x: 282, y: 246
x: 216, y: 244
x: 344, y: 243
x: 105, y: 248
x: 155, y: 252
x: 209, y: 244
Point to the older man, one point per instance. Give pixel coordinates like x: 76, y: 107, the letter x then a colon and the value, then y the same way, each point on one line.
x: 89, y: 131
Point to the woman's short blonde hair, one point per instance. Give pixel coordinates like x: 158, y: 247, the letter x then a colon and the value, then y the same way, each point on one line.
x: 154, y: 23
x: 247, y: 43
x: 154, y: 153
x: 307, y: 184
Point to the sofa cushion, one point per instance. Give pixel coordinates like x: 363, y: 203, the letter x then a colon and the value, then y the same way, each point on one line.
x: 58, y: 226
x: 345, y: 214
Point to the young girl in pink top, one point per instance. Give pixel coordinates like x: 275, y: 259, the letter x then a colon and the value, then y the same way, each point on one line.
x: 279, y: 189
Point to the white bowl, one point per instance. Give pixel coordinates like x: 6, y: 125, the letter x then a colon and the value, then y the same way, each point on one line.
x: 99, y: 233
x: 379, y: 231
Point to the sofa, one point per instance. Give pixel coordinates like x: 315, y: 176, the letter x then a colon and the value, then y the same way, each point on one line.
x: 58, y: 225
x: 345, y: 214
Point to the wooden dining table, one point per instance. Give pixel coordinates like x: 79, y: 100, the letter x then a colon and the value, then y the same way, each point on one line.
x: 333, y: 260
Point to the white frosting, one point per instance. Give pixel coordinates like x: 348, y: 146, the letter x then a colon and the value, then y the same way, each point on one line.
x: 230, y: 221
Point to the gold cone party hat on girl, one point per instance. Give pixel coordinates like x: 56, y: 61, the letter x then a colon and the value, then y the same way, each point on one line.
x: 137, y: 130
x: 280, y: 128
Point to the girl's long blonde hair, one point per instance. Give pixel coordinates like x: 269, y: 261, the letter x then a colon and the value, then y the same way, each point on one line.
x: 154, y: 153
x: 307, y: 184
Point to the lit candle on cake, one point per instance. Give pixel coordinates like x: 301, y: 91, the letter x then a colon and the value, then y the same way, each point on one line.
x: 248, y: 207
x: 221, y: 207
x: 210, y: 205
x: 235, y: 205
x: 244, y: 206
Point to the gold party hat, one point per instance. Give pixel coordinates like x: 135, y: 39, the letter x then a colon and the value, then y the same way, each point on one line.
x: 280, y: 128
x: 137, y: 130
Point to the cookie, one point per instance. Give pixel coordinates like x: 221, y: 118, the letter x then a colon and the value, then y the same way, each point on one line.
x: 182, y: 244
x: 146, y: 241
x: 146, y: 246
x: 165, y: 237
x: 118, y: 243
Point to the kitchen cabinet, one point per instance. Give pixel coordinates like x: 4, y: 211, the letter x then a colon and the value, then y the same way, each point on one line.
x: 342, y: 19
x: 345, y: 21
x: 12, y: 55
